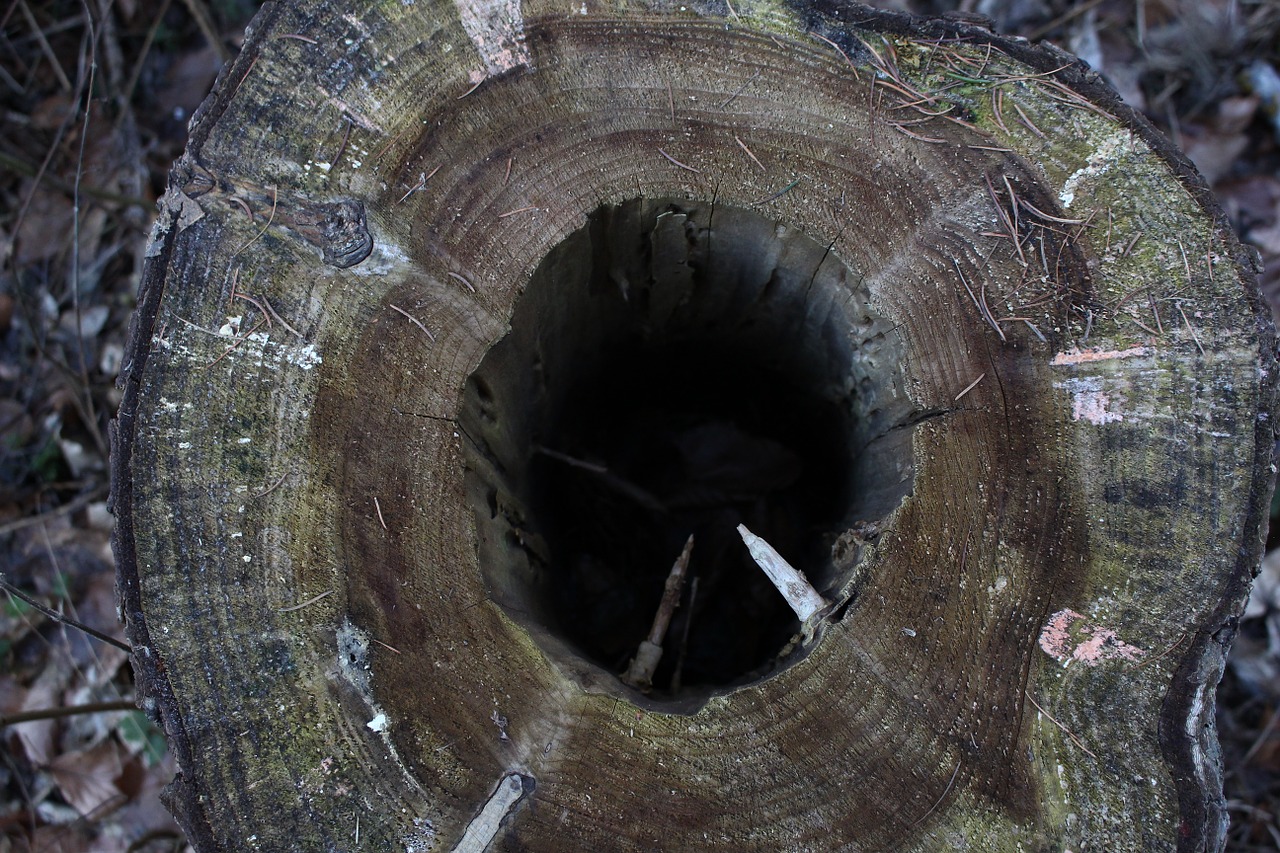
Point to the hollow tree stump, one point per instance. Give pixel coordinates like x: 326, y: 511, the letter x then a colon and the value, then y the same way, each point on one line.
x: 460, y: 319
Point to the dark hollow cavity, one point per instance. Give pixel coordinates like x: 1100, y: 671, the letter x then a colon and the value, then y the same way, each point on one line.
x: 678, y: 369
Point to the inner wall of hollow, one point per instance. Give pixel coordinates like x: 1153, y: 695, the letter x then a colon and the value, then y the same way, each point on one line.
x: 714, y: 280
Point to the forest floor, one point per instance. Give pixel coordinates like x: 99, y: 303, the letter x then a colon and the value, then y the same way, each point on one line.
x: 94, y: 101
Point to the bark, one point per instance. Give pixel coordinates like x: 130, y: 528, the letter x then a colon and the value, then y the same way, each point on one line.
x: 982, y: 355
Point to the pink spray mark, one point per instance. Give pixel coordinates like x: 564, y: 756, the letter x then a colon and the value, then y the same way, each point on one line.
x: 1067, y: 636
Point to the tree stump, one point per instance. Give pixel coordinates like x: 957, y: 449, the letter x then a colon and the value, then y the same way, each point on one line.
x: 459, y: 319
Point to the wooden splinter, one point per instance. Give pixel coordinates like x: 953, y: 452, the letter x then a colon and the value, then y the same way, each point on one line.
x: 795, y: 588
x: 640, y: 672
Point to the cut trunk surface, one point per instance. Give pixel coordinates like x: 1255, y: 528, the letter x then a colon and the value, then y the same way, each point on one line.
x: 461, y: 319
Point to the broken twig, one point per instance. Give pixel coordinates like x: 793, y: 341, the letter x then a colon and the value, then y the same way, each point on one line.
x: 684, y: 638
x: 802, y: 597
x: 640, y: 672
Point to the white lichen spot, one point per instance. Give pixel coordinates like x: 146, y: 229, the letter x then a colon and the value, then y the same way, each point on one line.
x: 497, y: 31
x: 248, y: 558
x: 1093, y: 406
x: 422, y: 839
x: 184, y: 445
x: 231, y: 327
x: 1090, y: 402
x: 1104, y: 158
x: 385, y: 258
x: 244, y: 440
x: 305, y: 357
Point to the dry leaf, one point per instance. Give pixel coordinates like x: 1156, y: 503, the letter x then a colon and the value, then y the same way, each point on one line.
x: 39, y: 737
x: 87, y: 779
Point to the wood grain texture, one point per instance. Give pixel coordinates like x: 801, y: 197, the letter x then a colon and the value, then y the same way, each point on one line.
x: 1031, y: 636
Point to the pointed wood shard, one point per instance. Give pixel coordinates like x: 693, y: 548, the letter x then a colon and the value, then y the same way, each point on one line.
x: 795, y: 588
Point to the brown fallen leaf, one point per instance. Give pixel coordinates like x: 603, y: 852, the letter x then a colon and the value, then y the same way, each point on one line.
x: 87, y: 779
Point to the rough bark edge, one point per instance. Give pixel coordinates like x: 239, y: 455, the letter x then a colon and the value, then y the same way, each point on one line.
x: 1200, y: 794
x: 1191, y: 696
x: 154, y: 692
x: 184, y: 796
x: 230, y: 77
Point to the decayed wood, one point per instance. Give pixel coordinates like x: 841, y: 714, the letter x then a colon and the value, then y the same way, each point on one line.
x: 1058, y: 370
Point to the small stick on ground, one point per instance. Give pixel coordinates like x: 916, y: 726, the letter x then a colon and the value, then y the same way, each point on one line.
x: 1185, y: 263
x: 933, y: 140
x: 422, y: 182
x: 613, y: 481
x: 280, y: 320
x: 676, y: 677
x: 1191, y: 329
x: 740, y: 90
x: 840, y: 51
x: 65, y: 620
x: 640, y: 672
x: 204, y: 21
x: 676, y: 162
x: 795, y: 588
x: 981, y: 304
x: 970, y: 387
x: 255, y: 303
x: 238, y: 342
x: 68, y: 711
x: 275, y: 199
x: 753, y: 157
x: 269, y: 489
x: 45, y: 47
x: 1027, y: 122
x: 310, y: 601
x: 1065, y: 730
x: 1129, y: 246
x: 465, y: 283
x: 415, y: 322
x: 346, y: 135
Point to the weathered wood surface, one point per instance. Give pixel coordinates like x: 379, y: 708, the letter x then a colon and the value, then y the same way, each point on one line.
x: 1059, y: 443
